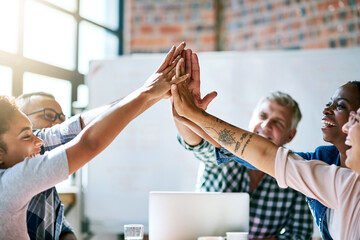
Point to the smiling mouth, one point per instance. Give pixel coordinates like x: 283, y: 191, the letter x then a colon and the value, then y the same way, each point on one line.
x: 326, y: 124
x: 35, y: 154
x: 348, y: 142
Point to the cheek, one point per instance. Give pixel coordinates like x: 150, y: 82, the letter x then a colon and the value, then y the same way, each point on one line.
x: 342, y: 119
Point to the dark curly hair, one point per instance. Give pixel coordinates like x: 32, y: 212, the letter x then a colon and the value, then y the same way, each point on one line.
x: 8, y: 109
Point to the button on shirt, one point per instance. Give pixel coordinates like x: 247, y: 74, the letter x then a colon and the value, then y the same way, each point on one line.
x: 282, y: 213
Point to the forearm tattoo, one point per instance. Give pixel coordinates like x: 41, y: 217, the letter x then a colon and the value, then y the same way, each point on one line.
x: 227, y: 137
x: 247, y: 142
x: 238, y: 144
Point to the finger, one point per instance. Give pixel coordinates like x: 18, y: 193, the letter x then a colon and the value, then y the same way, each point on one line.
x: 195, y: 67
x: 183, y: 54
x: 179, y: 67
x: 188, y: 64
x: 207, y: 99
x: 166, y: 61
x: 171, y: 74
x: 182, y: 68
x: 175, y: 94
x: 178, y: 50
x: 179, y: 79
x: 172, y: 65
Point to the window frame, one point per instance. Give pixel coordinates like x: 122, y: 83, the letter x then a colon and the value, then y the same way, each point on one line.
x: 20, y: 64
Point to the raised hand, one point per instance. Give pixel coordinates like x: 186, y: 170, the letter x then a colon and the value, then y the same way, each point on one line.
x: 158, y: 84
x: 183, y: 101
x: 193, y: 68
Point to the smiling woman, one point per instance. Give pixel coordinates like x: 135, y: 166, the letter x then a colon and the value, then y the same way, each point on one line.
x: 24, y: 173
x: 337, y: 197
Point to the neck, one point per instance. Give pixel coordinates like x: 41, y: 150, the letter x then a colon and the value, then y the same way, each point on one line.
x: 342, y: 151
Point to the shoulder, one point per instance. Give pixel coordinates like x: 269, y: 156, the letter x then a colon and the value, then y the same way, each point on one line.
x: 328, y: 154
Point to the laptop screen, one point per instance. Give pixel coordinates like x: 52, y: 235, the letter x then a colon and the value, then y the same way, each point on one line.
x: 188, y: 215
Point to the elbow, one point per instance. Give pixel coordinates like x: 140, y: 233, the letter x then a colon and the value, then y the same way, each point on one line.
x: 91, y: 145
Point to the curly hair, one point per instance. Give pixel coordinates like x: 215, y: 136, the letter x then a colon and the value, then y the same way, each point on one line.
x: 8, y: 109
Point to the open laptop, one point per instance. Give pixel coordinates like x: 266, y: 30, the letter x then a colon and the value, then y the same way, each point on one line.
x: 188, y: 215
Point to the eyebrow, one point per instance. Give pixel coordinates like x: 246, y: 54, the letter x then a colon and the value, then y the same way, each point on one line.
x: 24, y: 129
x: 345, y: 99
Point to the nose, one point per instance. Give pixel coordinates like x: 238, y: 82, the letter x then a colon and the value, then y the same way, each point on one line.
x: 328, y: 110
x: 56, y: 122
x: 38, y: 142
x: 265, y: 124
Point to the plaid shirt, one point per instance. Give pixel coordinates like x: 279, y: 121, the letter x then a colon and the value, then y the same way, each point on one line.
x: 45, y: 213
x: 274, y: 212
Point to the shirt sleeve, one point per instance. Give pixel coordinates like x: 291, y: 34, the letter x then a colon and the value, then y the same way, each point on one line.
x: 314, y: 178
x: 211, y: 176
x: 65, y: 228
x: 60, y: 133
x: 223, y: 156
x: 204, y: 151
x: 32, y: 176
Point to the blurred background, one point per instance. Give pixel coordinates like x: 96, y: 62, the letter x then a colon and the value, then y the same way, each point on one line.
x: 46, y: 45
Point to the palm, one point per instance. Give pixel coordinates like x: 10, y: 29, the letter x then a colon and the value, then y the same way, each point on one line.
x: 192, y: 66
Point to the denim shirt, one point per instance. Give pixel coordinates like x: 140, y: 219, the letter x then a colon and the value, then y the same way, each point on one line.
x: 328, y: 154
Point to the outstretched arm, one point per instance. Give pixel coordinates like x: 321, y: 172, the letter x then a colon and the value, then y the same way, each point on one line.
x: 191, y: 133
x: 98, y: 134
x: 253, y: 148
x: 171, y: 59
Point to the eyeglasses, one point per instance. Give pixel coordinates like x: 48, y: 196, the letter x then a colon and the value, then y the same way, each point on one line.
x: 353, y: 118
x: 50, y: 114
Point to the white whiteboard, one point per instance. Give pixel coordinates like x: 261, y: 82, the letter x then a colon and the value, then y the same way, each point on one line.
x: 147, y: 157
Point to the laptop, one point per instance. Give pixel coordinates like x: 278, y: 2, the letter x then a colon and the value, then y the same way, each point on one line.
x: 188, y: 215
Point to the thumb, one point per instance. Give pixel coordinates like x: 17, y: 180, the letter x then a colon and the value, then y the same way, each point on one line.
x: 207, y: 99
x: 175, y: 93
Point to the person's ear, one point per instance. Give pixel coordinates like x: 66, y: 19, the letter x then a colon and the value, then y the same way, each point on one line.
x: 292, y: 134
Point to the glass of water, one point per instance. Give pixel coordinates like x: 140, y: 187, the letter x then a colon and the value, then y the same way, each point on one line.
x: 133, y: 231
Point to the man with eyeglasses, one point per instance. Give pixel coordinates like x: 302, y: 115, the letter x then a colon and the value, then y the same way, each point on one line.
x: 41, y: 108
x: 45, y: 214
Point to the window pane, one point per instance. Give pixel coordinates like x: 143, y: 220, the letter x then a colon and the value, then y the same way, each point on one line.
x: 5, y: 81
x: 9, y: 25
x: 103, y: 12
x: 49, y: 35
x: 102, y: 45
x: 61, y: 89
x: 69, y: 5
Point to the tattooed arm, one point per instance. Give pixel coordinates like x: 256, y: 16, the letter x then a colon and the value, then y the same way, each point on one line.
x: 253, y: 148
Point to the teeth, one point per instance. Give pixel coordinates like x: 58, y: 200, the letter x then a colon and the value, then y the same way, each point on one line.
x: 348, y: 142
x: 327, y: 123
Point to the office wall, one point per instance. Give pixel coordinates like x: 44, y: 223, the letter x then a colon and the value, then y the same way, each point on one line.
x: 208, y: 25
x: 146, y: 156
